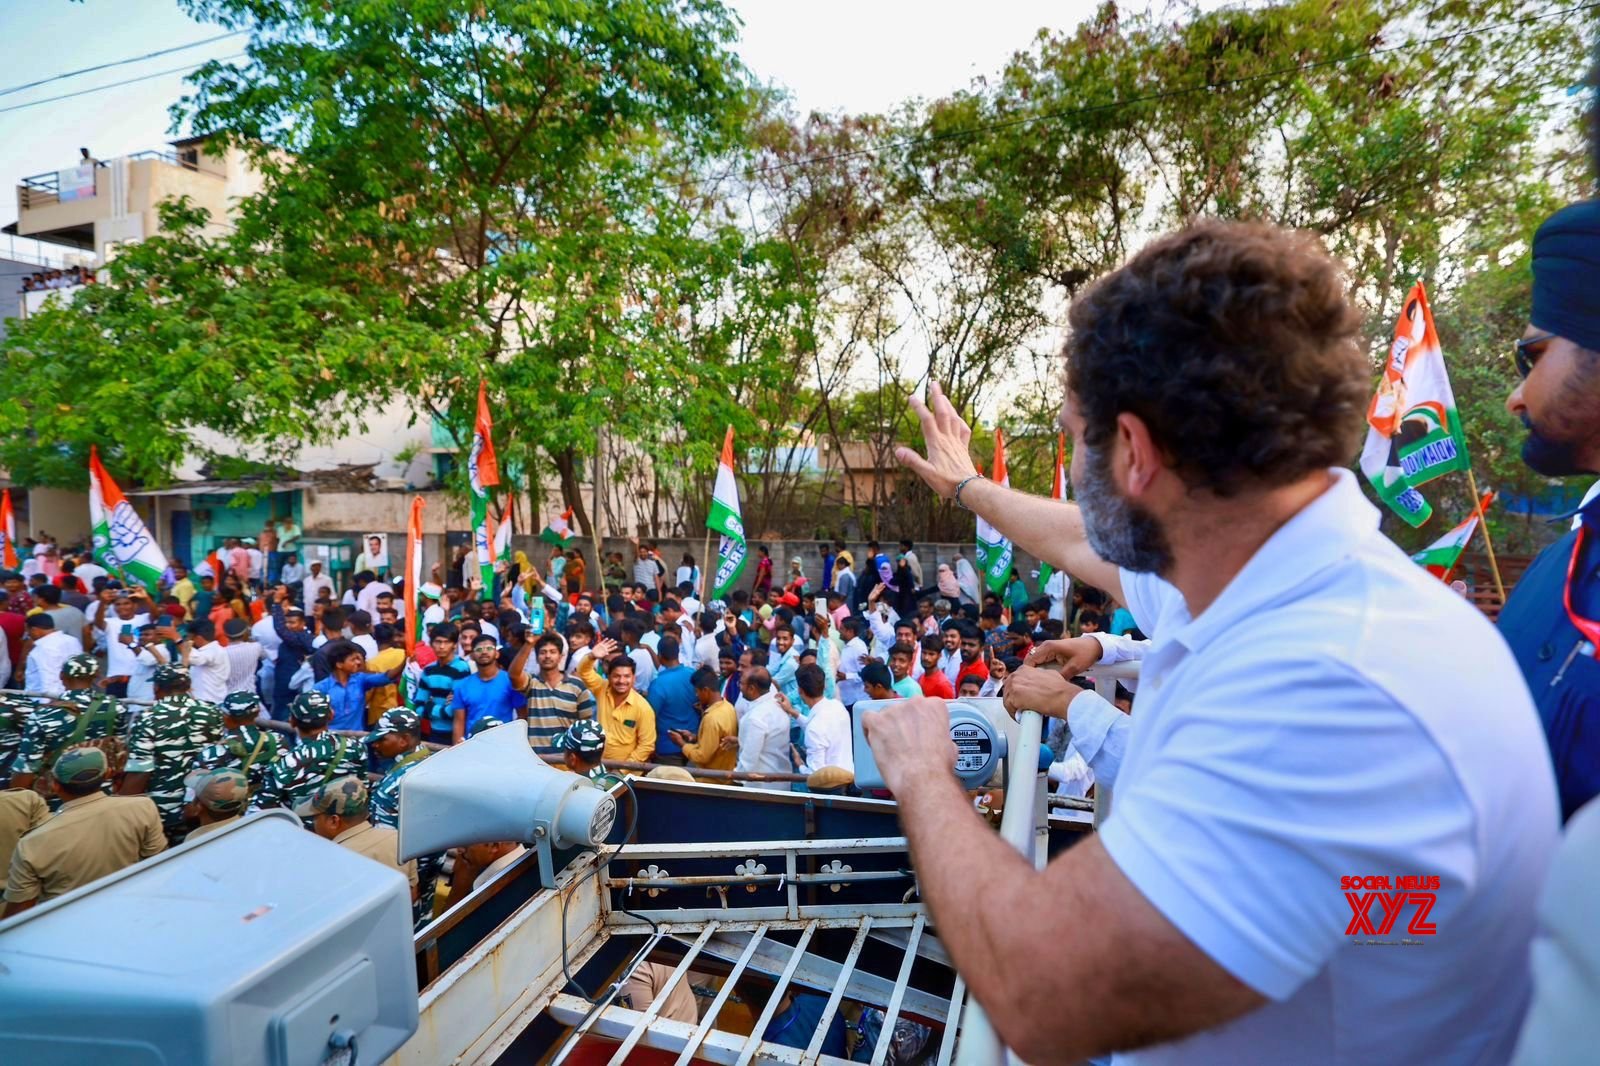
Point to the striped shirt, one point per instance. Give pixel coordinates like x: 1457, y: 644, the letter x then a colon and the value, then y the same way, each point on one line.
x: 552, y: 710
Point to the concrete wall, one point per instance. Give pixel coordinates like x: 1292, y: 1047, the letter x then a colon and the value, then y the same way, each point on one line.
x: 62, y: 513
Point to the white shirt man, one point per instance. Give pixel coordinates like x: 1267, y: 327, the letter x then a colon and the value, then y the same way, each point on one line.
x: 314, y: 582
x: 368, y: 599
x: 1371, y: 648
x: 764, y: 741
x: 828, y: 738
x: 852, y: 657
x: 142, y: 683
x: 1056, y: 589
x: 292, y: 572
x: 87, y: 572
x: 644, y: 669
x: 208, y: 672
x: 50, y: 652
x: 244, y: 662
x: 120, y: 656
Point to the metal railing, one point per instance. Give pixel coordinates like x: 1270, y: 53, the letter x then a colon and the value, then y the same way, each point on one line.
x: 41, y: 190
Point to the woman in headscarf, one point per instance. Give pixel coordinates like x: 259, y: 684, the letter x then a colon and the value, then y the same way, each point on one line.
x: 949, y: 587
x: 967, y: 579
x: 797, y: 576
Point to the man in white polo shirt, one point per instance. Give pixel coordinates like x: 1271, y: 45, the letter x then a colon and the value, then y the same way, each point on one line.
x: 1335, y: 809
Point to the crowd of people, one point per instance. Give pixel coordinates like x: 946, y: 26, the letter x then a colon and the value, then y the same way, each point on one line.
x: 57, y: 278
x: 301, y: 686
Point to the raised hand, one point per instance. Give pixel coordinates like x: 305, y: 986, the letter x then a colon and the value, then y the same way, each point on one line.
x: 946, y: 436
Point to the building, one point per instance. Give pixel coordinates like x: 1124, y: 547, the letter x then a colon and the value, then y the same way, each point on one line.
x: 360, y: 483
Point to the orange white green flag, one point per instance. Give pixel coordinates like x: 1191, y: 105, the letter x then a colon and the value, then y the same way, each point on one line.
x: 8, y: 532
x: 1440, y: 557
x: 994, y: 550
x: 413, y: 589
x: 1058, y: 491
x: 483, y: 472
x: 121, y: 540
x: 724, y: 518
x: 1413, y: 429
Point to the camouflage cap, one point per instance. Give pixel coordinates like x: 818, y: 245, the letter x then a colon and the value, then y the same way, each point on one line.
x: 168, y: 674
x: 344, y: 796
x: 222, y: 791
x: 80, y: 766
x: 398, y: 720
x: 311, y: 708
x: 583, y: 737
x: 80, y: 666
x: 241, y: 705
x: 488, y: 721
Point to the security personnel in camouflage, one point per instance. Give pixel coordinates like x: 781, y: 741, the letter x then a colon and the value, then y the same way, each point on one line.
x: 581, y: 746
x: 163, y: 744
x: 82, y: 715
x: 317, y: 759
x: 244, y: 746
x: 220, y: 797
x: 397, y: 736
x: 14, y: 713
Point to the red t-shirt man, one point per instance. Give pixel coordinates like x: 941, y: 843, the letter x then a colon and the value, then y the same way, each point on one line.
x: 934, y: 683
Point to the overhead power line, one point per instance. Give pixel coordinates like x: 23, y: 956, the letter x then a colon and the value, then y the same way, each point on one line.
x: 125, y: 81
x: 119, y: 63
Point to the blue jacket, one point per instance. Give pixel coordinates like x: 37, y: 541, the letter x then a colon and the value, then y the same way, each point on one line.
x: 1562, y: 675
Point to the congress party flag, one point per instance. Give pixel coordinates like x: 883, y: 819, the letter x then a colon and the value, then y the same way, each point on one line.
x: 1413, y: 429
x: 559, y: 531
x: 724, y: 519
x: 483, y: 470
x: 413, y: 589
x: 501, y: 537
x: 121, y: 541
x: 1058, y: 491
x: 8, y: 532
x: 994, y: 550
x: 1440, y: 557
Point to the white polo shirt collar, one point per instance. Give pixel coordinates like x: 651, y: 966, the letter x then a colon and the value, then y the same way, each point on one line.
x: 1323, y: 532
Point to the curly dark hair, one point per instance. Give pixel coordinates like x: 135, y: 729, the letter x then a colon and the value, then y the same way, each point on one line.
x: 1236, y: 344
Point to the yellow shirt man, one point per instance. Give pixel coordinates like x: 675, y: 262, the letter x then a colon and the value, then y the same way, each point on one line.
x: 706, y: 749
x: 629, y: 723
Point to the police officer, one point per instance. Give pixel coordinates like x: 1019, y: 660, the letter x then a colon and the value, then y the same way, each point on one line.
x: 21, y: 810
x: 1552, y: 620
x: 316, y: 758
x: 244, y: 746
x: 220, y: 797
x: 80, y: 715
x: 397, y: 736
x: 163, y: 744
x: 92, y: 836
x: 338, y: 812
x: 581, y: 747
x: 14, y: 713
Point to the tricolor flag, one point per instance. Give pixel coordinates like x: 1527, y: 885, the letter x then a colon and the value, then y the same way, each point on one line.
x: 413, y: 589
x: 559, y: 531
x: 994, y: 550
x: 1413, y: 430
x: 8, y: 532
x: 724, y: 518
x: 121, y: 541
x: 1441, y: 556
x: 483, y: 470
x: 501, y: 537
x: 1058, y: 491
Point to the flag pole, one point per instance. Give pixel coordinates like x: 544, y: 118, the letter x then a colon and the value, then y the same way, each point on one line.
x: 1483, y: 524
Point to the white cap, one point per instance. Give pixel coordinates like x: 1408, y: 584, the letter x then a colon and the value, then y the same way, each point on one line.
x: 431, y: 590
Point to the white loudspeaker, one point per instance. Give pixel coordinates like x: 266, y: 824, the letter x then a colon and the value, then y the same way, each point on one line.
x: 493, y: 787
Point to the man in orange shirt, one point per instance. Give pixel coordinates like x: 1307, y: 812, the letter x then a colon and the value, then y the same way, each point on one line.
x: 718, y: 722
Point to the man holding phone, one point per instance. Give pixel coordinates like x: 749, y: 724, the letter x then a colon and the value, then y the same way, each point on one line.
x: 122, y: 639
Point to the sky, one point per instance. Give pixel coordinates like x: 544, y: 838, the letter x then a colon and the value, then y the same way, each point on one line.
x: 832, y: 55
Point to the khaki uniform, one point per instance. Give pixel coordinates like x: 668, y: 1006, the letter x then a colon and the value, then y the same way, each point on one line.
x: 21, y: 809
x: 89, y: 838
x: 380, y: 844
x: 210, y: 827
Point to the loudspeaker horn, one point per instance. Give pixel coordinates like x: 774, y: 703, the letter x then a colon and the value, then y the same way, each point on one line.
x: 493, y: 787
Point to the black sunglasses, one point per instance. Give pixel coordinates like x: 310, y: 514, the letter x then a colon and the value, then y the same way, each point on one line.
x: 1525, y: 358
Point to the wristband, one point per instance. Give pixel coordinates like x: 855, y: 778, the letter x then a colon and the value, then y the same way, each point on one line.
x: 961, y: 485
